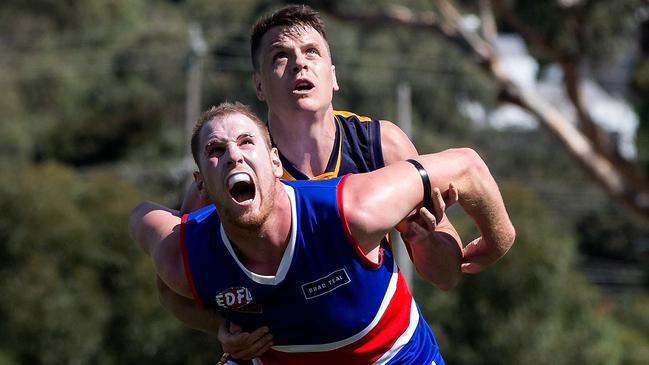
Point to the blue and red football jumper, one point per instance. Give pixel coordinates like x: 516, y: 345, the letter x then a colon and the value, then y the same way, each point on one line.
x: 326, y: 303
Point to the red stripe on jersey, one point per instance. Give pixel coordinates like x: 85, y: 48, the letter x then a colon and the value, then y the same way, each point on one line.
x: 348, y: 231
x: 188, y: 272
x: 368, y: 348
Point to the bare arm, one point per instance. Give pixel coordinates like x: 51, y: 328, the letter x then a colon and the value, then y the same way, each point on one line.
x: 155, y: 228
x: 435, y: 245
x: 376, y: 201
x: 185, y: 310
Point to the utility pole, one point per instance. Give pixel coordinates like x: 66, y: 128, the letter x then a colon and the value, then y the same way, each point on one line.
x: 404, y: 119
x: 195, y: 60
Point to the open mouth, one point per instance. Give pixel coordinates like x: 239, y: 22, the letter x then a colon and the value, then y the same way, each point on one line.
x: 241, y: 187
x: 303, y: 86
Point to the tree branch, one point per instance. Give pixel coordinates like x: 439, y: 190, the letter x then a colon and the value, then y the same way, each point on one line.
x: 628, y: 188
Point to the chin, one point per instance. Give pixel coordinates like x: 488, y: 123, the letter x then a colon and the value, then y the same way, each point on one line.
x: 308, y: 104
x: 243, y: 221
x: 247, y: 219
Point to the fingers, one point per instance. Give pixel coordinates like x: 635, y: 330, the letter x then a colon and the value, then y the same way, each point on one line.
x: 244, y: 345
x: 471, y: 267
x: 234, y: 328
x: 472, y: 258
x: 442, y: 201
x: 452, y: 195
x: 424, y: 219
x: 417, y: 229
x: 256, y: 349
x: 439, y: 205
x: 428, y: 219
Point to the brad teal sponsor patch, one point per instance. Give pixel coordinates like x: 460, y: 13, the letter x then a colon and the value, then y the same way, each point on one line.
x: 326, y: 284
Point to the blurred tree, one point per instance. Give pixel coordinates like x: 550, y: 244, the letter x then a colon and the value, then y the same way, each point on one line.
x: 574, y: 30
x: 15, y: 142
x: 76, y: 289
x: 530, y: 308
x: 99, y: 81
x: 640, y: 87
x: 102, y: 71
x: 632, y: 311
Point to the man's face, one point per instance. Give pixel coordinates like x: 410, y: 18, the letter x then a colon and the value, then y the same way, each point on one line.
x: 295, y: 71
x: 237, y: 169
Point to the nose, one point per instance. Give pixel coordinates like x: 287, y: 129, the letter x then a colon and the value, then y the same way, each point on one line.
x: 234, y: 155
x: 300, y: 62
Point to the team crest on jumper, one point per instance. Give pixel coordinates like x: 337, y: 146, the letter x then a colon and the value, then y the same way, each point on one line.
x: 234, y: 297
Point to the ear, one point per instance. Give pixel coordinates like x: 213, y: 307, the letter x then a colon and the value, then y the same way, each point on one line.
x: 333, y: 78
x: 256, y: 83
x: 276, y: 163
x: 200, y: 186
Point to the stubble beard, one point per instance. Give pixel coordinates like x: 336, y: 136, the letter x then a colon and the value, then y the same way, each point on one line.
x: 253, y: 220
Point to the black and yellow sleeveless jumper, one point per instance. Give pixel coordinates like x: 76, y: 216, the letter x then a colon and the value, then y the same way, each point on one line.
x: 357, y: 148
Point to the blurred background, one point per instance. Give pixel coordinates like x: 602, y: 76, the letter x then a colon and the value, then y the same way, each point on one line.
x: 96, y: 97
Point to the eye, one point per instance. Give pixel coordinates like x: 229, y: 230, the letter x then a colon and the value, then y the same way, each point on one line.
x: 246, y: 141
x: 279, y: 56
x: 214, y: 150
x: 313, y: 51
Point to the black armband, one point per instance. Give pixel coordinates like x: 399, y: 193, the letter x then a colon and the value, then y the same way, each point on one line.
x: 425, y: 181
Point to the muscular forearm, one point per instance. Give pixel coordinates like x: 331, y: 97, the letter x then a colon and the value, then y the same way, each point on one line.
x: 186, y: 310
x: 375, y: 202
x: 480, y: 198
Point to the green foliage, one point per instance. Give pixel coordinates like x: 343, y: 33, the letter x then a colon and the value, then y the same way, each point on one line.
x: 84, y: 83
x: 609, y: 234
x: 86, y: 89
x: 529, y: 308
x: 632, y: 332
x: 75, y: 288
x: 640, y: 83
x: 586, y: 28
x: 15, y: 143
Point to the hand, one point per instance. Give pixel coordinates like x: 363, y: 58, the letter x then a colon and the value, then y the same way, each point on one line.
x: 477, y: 256
x: 434, y: 246
x: 440, y: 202
x: 244, y: 345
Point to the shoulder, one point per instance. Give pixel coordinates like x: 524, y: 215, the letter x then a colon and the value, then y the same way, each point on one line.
x: 313, y: 193
x: 200, y: 214
x: 351, y: 117
x: 150, y: 223
x: 395, y: 144
x: 357, y: 125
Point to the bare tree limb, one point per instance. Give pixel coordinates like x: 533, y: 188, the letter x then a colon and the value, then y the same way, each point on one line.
x: 569, y: 64
x: 489, y: 29
x: 620, y: 180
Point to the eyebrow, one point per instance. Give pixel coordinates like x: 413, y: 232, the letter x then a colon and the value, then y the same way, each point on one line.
x: 311, y: 45
x: 282, y: 45
x: 246, y: 134
x: 216, y: 140
x: 275, y: 46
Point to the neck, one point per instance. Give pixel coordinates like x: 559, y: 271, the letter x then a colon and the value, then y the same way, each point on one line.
x: 305, y: 138
x: 261, y: 248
